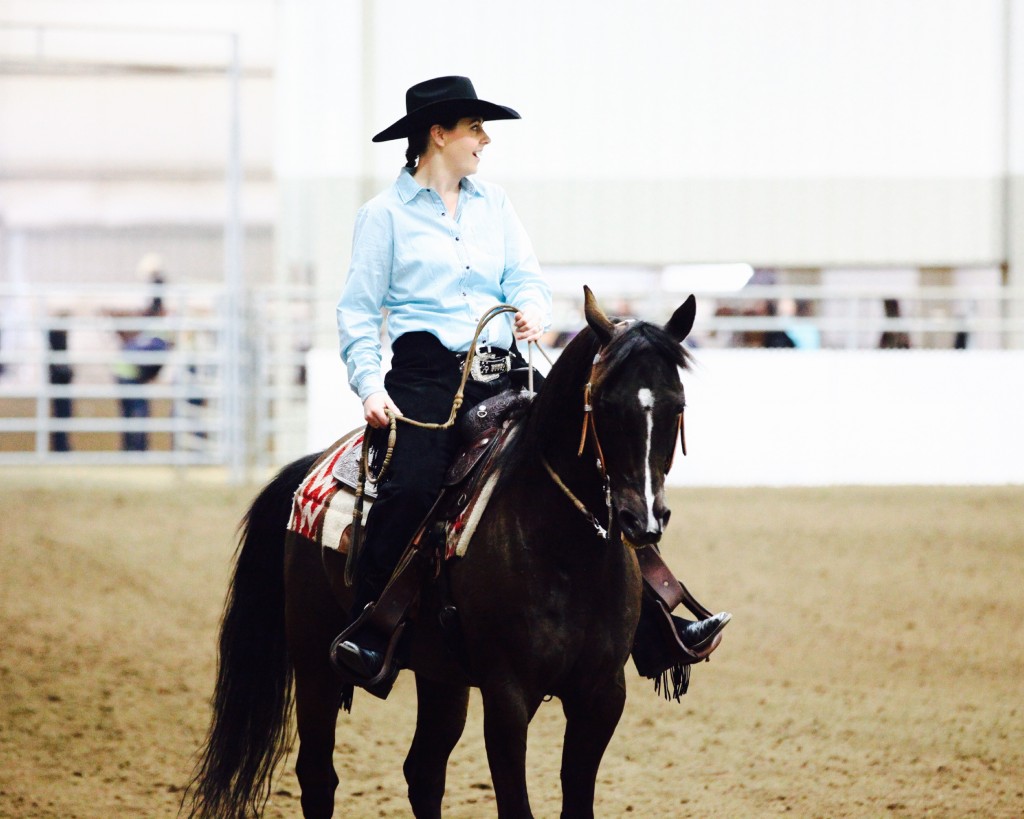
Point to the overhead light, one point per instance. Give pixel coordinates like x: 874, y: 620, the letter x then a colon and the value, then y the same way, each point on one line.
x: 705, y: 278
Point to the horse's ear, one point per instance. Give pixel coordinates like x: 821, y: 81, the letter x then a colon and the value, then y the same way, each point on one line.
x: 681, y: 323
x: 598, y: 321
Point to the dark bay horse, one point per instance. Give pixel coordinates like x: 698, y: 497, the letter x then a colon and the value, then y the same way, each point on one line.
x: 548, y: 596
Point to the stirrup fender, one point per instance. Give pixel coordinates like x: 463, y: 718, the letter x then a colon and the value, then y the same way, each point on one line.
x: 664, y: 585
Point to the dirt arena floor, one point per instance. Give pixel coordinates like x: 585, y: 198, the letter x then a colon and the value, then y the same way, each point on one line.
x: 874, y: 666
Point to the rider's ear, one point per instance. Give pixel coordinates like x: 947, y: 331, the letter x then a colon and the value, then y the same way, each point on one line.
x: 681, y: 323
x: 598, y: 321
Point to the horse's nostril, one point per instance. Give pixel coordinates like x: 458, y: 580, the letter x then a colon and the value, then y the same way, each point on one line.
x: 663, y: 517
x: 632, y: 524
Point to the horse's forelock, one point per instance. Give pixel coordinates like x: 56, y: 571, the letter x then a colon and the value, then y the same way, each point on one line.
x: 562, y: 393
x: 641, y: 337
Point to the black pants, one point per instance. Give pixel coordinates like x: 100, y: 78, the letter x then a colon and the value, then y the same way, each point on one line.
x: 422, y: 381
x: 60, y: 408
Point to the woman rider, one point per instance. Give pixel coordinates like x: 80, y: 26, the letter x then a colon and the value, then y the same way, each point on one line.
x: 437, y: 250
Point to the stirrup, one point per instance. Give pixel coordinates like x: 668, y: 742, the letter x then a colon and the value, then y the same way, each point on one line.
x: 380, y: 684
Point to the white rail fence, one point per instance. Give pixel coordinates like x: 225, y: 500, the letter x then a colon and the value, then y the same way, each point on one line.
x: 288, y: 398
x: 191, y: 416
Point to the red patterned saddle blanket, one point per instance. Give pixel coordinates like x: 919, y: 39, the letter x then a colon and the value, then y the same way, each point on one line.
x: 323, y: 504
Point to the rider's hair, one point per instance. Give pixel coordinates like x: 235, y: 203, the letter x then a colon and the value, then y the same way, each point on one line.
x: 419, y: 140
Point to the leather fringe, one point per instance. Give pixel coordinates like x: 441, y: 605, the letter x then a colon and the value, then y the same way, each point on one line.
x: 345, y: 701
x: 679, y: 677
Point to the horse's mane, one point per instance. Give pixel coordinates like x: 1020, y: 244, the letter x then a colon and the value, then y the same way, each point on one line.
x: 642, y: 337
x: 557, y: 409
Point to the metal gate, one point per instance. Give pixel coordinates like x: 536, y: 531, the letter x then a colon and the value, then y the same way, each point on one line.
x: 70, y: 391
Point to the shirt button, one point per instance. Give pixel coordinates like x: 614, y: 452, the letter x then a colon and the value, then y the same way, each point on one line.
x: 456, y: 238
x: 467, y: 267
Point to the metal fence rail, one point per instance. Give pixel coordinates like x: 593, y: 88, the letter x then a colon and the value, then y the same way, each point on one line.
x: 984, y: 317
x: 193, y: 420
x: 61, y: 350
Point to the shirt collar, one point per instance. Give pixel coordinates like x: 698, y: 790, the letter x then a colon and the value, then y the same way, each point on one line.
x: 408, y: 187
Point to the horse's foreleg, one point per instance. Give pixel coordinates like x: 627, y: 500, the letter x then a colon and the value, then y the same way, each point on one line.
x: 507, y: 714
x: 440, y: 720
x: 590, y: 721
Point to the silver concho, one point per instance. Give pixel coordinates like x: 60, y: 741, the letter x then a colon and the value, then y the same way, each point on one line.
x: 487, y: 367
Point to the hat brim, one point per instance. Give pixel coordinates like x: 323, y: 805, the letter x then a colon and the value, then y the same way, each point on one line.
x: 444, y: 110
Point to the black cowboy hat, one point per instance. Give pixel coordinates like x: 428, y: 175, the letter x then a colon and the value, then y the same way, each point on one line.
x: 442, y: 98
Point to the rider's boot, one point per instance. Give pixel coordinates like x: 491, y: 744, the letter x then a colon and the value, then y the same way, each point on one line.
x: 362, y: 653
x: 367, y: 653
x: 700, y: 634
x: 664, y: 641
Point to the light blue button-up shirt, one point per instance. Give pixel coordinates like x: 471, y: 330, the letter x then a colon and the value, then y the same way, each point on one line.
x: 434, y: 273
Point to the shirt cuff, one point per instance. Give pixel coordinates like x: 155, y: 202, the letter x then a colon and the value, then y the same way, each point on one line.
x: 369, y: 385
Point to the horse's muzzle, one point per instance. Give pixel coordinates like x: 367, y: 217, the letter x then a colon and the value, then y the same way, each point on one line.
x: 642, y: 524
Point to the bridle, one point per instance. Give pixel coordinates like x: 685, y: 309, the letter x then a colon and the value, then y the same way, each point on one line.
x: 589, y: 430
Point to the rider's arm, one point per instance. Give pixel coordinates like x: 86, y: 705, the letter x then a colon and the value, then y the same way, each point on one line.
x: 359, y: 308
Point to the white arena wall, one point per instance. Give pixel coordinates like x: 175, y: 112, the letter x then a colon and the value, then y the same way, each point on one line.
x: 829, y: 417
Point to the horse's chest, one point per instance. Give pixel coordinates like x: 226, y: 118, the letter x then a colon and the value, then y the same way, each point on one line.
x: 574, y: 622
x: 561, y: 613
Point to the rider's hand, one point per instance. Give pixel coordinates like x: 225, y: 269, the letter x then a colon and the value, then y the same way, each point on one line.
x: 375, y: 409
x: 529, y: 325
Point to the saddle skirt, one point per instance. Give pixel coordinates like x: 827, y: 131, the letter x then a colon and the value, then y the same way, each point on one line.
x: 323, y: 504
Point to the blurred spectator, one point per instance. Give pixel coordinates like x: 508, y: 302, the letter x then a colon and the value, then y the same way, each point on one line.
x: 557, y: 339
x: 771, y: 338
x: 892, y: 340
x: 60, y: 375
x: 727, y: 339
x: 804, y: 335
x: 623, y: 311
x: 776, y: 339
x: 130, y: 373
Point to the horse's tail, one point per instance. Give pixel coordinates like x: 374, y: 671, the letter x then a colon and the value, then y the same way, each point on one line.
x: 252, y: 700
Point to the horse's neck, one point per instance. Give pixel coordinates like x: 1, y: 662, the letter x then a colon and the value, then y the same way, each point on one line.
x: 580, y: 471
x: 584, y: 471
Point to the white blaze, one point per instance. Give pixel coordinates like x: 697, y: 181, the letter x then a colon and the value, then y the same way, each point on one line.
x: 646, y: 398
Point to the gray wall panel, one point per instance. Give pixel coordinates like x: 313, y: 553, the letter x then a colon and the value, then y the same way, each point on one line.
x: 798, y: 222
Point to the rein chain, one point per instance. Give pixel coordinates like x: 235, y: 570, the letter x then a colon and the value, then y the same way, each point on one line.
x: 601, y: 530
